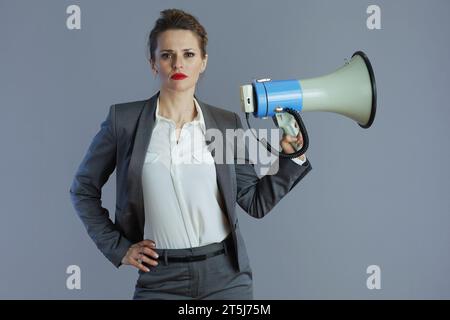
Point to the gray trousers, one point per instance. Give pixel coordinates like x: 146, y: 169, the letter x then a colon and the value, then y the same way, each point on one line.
x: 214, y: 278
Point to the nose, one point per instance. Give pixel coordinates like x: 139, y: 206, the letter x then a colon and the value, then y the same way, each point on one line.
x: 177, y: 63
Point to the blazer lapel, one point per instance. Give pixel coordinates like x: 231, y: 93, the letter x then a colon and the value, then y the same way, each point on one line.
x: 144, y: 130
x: 222, y: 169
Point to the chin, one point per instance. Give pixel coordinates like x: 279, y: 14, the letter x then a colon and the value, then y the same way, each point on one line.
x: 181, y: 87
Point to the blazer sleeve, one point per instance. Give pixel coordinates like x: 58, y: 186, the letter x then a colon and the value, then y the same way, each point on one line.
x: 86, y: 190
x: 257, y: 196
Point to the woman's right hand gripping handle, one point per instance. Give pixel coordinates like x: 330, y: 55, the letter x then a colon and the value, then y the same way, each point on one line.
x: 141, y: 252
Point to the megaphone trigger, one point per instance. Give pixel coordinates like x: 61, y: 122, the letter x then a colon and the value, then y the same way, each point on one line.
x: 291, y: 123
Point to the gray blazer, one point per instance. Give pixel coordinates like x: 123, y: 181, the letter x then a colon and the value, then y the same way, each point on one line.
x: 122, y: 143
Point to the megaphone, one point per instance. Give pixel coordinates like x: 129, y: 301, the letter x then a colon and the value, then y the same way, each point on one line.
x: 349, y: 91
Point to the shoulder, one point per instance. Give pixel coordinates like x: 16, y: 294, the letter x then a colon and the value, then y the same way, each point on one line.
x: 125, y: 115
x: 131, y: 106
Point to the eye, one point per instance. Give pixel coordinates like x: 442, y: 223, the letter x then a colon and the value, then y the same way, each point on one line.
x: 190, y: 54
x: 165, y: 56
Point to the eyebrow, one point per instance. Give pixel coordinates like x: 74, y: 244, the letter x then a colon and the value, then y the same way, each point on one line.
x: 169, y: 50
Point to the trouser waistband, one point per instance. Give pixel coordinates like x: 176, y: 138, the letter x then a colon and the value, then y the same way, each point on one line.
x: 196, y: 253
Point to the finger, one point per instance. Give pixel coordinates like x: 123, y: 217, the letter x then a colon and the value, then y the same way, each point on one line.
x: 289, y: 138
x: 136, y: 245
x: 287, y: 147
x: 143, y: 255
x: 148, y: 243
x: 149, y: 261
x: 150, y: 253
x: 137, y: 262
x: 136, y: 252
x: 140, y: 266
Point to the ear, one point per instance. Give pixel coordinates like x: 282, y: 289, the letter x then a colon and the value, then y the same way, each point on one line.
x: 152, y: 65
x: 204, y: 63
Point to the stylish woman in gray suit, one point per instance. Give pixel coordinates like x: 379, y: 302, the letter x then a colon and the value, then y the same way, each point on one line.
x: 175, y: 218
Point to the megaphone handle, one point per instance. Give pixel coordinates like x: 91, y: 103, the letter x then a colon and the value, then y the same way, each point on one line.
x: 302, y: 129
x: 287, y: 129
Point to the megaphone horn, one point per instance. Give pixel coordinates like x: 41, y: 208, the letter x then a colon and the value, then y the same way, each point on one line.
x: 350, y: 91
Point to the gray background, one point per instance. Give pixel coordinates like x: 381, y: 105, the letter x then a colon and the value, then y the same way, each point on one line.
x: 377, y: 196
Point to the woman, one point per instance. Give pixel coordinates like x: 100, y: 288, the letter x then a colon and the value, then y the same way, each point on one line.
x: 176, y: 222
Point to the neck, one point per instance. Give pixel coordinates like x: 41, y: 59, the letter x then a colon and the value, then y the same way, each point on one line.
x: 177, y: 106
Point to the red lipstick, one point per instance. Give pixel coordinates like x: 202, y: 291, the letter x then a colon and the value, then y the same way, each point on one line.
x: 178, y: 76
